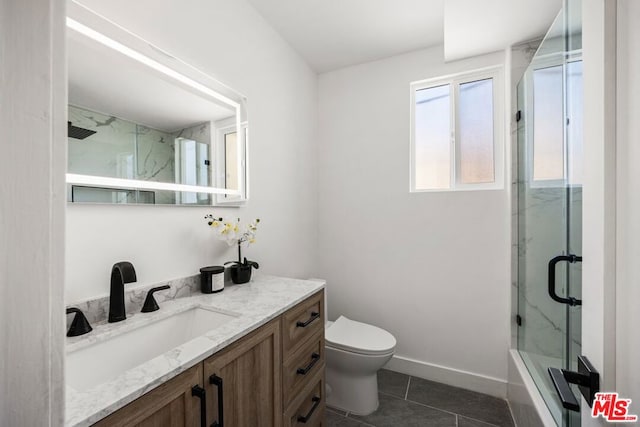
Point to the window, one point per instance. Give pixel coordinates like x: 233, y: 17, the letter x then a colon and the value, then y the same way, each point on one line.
x: 228, y: 163
x: 456, y: 133
x: 555, y: 130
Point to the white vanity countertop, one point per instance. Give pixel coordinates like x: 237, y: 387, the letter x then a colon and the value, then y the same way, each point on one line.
x: 255, y: 303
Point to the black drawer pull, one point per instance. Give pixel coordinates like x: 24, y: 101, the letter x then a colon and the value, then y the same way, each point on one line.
x: 314, y: 359
x: 314, y: 315
x: 217, y: 381
x: 201, y: 394
x: 316, y: 403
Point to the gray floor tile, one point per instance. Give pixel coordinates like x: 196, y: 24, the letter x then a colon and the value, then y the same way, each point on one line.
x: 395, y: 412
x: 464, y: 402
x: 334, y: 420
x: 392, y: 383
x: 468, y: 422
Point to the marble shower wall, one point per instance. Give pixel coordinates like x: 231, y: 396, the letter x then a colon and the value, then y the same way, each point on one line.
x: 123, y: 149
x: 200, y: 133
x: 542, y: 235
x: 109, y: 152
x: 539, y: 228
x: 156, y: 159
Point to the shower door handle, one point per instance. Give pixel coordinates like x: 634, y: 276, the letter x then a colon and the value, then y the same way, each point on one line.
x: 587, y: 378
x: 552, y: 279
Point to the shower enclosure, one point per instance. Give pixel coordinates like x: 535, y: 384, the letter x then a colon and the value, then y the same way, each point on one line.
x: 549, y: 152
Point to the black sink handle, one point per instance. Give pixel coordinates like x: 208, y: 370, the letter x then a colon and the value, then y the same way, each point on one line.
x: 79, y: 325
x: 150, y: 303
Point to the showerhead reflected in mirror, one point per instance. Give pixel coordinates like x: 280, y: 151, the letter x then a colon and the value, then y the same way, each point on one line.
x: 145, y: 127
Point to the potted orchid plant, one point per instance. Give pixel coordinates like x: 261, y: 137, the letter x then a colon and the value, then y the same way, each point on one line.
x: 231, y: 231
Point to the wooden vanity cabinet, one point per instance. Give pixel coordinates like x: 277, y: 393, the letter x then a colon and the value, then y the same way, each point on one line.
x: 244, y: 382
x: 172, y: 404
x: 272, y: 377
x: 303, y: 363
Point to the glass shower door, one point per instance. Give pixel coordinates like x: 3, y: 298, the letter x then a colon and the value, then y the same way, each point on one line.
x: 549, y: 135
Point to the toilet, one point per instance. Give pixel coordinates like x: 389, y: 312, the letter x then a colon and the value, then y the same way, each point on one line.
x: 354, y: 353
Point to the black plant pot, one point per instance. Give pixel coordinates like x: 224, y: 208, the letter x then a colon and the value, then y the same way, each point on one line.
x: 240, y: 273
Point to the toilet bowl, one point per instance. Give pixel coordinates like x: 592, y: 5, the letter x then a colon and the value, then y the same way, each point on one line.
x: 354, y: 353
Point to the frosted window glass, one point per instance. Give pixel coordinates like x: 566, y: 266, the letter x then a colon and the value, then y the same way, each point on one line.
x: 574, y: 128
x: 475, y: 127
x: 548, y: 124
x: 231, y: 161
x: 432, y: 138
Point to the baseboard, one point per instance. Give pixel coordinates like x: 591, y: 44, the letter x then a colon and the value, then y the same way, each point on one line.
x: 454, y: 377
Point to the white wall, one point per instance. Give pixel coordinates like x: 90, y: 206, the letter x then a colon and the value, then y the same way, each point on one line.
x: 231, y: 41
x: 432, y: 268
x: 599, y: 192
x: 32, y: 167
x: 628, y: 249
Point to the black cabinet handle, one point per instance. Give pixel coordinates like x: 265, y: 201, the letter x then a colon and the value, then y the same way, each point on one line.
x: 552, y: 279
x: 314, y: 359
x: 316, y: 403
x: 314, y: 315
x: 201, y: 394
x: 217, y: 381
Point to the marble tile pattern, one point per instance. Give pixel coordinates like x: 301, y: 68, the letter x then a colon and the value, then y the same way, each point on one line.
x: 200, y: 133
x: 542, y: 231
x: 109, y: 152
x: 96, y: 310
x: 156, y: 159
x: 254, y: 303
x: 123, y: 149
x: 410, y: 401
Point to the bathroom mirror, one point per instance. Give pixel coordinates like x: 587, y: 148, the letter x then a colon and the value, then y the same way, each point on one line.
x: 145, y: 127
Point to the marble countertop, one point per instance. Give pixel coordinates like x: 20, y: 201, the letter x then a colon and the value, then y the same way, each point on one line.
x: 254, y: 304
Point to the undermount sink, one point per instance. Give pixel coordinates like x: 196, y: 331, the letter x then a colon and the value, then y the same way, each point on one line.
x: 105, y: 360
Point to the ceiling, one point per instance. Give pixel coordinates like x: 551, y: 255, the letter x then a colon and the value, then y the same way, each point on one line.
x: 473, y: 27
x: 331, y: 34
x: 334, y: 34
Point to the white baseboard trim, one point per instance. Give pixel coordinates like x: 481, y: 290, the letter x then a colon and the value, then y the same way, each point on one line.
x: 454, y: 377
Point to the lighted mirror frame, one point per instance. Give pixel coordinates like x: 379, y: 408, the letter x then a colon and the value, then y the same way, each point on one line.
x: 154, y: 59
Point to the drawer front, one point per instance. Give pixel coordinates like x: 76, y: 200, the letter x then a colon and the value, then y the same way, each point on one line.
x: 308, y: 408
x: 302, y: 366
x: 302, y: 322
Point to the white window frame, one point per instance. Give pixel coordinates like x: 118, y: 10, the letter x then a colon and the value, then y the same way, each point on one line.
x: 220, y: 167
x: 455, y: 80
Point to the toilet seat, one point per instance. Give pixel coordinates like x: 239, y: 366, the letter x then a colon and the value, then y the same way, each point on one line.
x: 356, y: 337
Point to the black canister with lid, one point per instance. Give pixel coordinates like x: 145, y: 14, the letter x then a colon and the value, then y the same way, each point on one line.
x: 211, y: 279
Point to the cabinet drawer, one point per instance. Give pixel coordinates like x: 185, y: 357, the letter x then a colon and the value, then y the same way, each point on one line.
x: 170, y: 404
x: 302, y: 322
x: 302, y: 366
x: 308, y: 408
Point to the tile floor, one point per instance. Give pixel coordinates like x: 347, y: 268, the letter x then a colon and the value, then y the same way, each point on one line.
x: 409, y: 401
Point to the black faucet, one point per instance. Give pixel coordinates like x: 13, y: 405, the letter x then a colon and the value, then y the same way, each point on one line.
x: 121, y: 273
